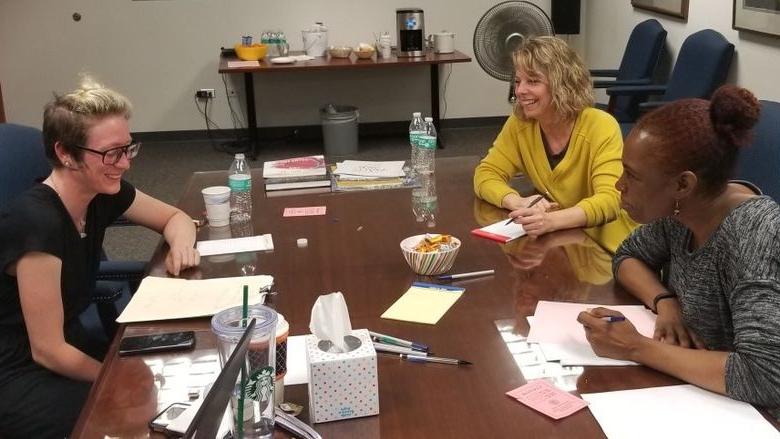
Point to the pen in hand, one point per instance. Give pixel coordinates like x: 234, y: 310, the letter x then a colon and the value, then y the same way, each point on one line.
x: 536, y: 200
x: 613, y: 319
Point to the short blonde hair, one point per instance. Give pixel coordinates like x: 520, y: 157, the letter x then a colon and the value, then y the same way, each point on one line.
x: 568, y: 78
x: 68, y: 117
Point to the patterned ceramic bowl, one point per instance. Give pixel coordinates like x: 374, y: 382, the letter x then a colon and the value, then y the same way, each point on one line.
x: 428, y: 263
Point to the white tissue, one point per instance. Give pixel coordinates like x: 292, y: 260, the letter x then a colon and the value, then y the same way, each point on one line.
x: 330, y: 319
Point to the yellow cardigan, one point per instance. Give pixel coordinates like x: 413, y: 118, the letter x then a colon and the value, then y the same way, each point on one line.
x: 585, y: 177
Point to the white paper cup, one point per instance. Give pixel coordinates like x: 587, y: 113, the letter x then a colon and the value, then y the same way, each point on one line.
x: 217, y: 201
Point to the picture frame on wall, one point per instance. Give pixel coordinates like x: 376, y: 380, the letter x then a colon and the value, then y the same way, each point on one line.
x: 675, y: 8
x: 762, y: 16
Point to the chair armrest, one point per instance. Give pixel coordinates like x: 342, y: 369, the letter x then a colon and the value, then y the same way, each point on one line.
x: 108, y: 291
x: 129, y: 272
x: 607, y: 73
x: 636, y: 90
x: 644, y: 107
x: 122, y: 221
x: 616, y: 83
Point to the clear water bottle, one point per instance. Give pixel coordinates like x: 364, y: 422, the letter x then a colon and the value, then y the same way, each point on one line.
x: 416, y: 129
x: 426, y: 149
x: 240, y: 182
x: 425, y: 205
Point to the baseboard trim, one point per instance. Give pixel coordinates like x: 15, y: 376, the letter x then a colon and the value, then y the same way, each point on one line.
x: 311, y: 132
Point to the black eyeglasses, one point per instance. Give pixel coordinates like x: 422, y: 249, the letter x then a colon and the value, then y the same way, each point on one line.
x: 114, y: 155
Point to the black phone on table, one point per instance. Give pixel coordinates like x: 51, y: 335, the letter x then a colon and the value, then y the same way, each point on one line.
x: 167, y: 416
x: 143, y: 344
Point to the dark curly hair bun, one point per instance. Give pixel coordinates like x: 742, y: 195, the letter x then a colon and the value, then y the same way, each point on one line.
x: 733, y: 112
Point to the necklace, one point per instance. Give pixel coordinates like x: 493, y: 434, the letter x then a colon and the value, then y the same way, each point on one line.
x: 80, y: 223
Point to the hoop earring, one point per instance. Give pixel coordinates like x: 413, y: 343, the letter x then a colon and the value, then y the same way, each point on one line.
x: 676, y: 207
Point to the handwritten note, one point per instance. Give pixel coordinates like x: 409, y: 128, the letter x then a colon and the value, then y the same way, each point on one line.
x: 545, y: 398
x: 304, y: 211
x: 370, y: 169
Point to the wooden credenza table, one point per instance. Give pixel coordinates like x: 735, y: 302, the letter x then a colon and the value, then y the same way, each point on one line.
x: 355, y: 249
x: 430, y: 60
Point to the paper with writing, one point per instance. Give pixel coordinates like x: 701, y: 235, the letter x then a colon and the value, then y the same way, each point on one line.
x: 545, y: 398
x: 370, y: 169
x: 304, y: 211
x: 162, y: 298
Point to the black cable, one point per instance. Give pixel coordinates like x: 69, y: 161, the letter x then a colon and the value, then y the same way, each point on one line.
x: 444, y: 93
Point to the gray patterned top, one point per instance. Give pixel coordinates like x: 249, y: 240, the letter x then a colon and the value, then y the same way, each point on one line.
x: 729, y: 290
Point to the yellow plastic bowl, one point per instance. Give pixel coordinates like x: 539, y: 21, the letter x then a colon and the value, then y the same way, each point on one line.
x: 430, y: 263
x: 254, y: 52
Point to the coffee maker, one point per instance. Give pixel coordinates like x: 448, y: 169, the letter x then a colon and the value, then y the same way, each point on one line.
x: 410, y: 23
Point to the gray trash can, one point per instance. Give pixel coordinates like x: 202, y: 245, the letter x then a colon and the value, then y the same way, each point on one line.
x: 339, y: 129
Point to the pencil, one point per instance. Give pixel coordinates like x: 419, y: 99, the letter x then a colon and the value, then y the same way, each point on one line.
x: 536, y: 200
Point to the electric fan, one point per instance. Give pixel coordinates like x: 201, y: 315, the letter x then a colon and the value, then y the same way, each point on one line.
x: 501, y: 30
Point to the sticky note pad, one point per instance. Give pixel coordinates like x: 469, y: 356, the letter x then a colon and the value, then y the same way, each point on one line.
x: 545, y: 398
x: 424, y: 303
x: 304, y: 211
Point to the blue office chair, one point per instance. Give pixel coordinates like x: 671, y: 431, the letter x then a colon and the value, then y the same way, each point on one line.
x: 636, y: 68
x: 759, y: 162
x: 24, y: 162
x: 701, y: 67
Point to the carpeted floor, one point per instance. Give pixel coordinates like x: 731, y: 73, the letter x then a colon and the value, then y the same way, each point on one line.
x: 162, y: 168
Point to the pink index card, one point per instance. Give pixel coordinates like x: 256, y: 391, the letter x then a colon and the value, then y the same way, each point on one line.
x: 543, y: 397
x: 304, y: 211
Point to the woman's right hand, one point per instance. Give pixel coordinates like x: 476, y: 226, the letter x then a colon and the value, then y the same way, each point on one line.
x: 670, y: 328
x: 515, y: 202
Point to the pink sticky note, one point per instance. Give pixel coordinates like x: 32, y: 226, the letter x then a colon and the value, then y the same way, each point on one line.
x: 543, y: 397
x: 304, y: 211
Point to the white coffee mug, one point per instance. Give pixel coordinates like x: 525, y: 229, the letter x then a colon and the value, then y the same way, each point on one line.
x: 444, y: 42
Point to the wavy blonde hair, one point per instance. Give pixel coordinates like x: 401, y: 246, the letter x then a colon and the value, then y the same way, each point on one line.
x: 568, y: 79
x: 68, y: 117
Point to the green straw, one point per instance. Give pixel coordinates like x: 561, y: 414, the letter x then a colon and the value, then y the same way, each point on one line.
x: 244, y: 314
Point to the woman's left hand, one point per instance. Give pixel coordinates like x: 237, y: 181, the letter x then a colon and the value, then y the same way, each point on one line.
x: 616, y: 340
x: 181, y: 257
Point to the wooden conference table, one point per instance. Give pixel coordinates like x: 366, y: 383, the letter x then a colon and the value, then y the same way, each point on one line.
x: 433, y: 60
x: 354, y: 249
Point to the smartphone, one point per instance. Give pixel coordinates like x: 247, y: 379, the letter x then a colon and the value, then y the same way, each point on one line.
x: 167, y: 416
x: 142, y: 344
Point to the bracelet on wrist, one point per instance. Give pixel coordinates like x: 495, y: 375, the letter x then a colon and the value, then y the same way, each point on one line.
x: 661, y: 297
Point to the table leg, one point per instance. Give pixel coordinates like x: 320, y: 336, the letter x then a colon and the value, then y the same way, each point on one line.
x: 251, y: 117
x: 435, y: 101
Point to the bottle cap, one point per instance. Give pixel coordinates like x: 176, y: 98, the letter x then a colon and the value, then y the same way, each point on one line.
x: 416, y: 114
x: 429, y: 119
x: 303, y: 242
x: 240, y: 156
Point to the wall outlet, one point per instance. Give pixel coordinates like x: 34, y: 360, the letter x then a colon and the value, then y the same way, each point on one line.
x: 205, y: 93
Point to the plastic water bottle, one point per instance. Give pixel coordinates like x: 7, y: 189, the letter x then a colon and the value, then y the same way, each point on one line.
x: 425, y: 205
x: 416, y: 129
x: 240, y: 182
x: 426, y: 148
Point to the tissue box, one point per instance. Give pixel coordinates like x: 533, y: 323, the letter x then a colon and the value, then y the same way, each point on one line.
x: 343, y: 385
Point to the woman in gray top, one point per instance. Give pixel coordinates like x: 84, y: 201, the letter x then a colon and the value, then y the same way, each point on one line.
x: 718, y: 299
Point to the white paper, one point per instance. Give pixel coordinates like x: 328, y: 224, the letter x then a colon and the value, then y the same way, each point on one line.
x: 370, y: 169
x: 239, y: 64
x: 297, y: 363
x: 682, y: 411
x: 161, y: 298
x: 236, y: 245
x: 510, y: 231
x: 561, y: 336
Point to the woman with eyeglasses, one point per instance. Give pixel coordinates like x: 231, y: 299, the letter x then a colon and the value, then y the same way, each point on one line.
x: 50, y: 243
x: 707, y: 258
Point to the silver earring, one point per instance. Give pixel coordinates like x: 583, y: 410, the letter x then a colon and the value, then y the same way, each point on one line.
x: 676, y: 207
x: 67, y: 163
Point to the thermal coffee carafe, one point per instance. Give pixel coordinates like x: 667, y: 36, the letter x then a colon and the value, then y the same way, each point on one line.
x: 411, y: 31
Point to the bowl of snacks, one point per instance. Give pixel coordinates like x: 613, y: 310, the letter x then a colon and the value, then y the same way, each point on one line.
x: 365, y: 51
x: 430, y: 254
x: 339, y: 51
x: 254, y: 52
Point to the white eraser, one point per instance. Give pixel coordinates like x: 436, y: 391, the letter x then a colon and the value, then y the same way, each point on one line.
x: 303, y: 242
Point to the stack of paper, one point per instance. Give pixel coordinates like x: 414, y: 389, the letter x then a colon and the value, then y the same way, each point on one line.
x: 562, y: 338
x: 682, y: 411
x: 352, y: 175
x: 161, y: 298
x: 502, y: 231
x: 297, y: 174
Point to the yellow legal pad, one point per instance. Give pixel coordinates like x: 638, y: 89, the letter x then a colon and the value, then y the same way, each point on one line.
x: 424, y: 303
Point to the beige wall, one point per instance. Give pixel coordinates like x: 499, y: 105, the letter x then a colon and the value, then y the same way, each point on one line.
x: 160, y: 52
x: 756, y: 62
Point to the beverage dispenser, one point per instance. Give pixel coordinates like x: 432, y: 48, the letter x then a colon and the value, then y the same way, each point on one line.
x: 410, y: 23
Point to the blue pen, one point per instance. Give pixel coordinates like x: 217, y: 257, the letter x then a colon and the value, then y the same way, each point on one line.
x: 613, y: 319
x: 399, y: 341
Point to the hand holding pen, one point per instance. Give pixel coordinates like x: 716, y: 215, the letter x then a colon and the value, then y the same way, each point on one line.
x: 609, y: 333
x: 530, y: 205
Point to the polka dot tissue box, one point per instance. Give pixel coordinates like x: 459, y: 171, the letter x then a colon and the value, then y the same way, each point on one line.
x: 342, y: 385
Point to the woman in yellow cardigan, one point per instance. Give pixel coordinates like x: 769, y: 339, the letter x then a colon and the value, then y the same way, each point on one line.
x: 570, y: 151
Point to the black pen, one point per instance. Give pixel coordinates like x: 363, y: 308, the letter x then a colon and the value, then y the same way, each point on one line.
x: 536, y: 200
x: 429, y: 359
